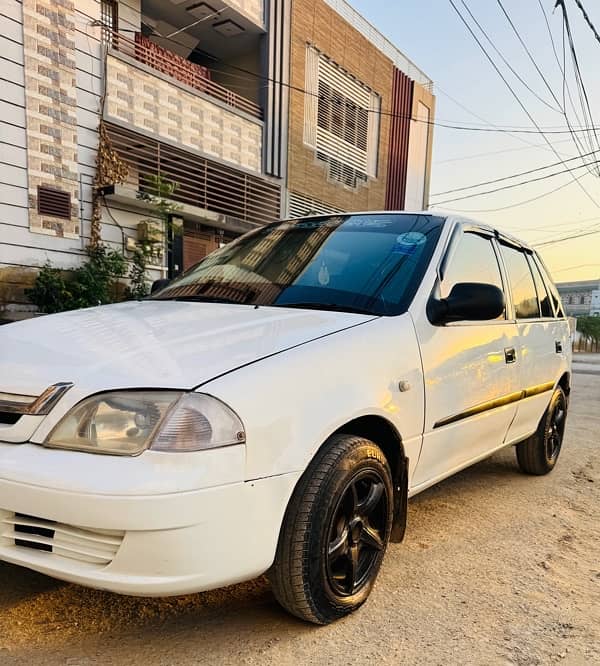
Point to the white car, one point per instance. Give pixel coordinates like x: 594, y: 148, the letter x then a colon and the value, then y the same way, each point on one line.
x: 273, y: 409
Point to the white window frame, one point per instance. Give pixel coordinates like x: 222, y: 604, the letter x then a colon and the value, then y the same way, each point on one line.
x: 330, y: 145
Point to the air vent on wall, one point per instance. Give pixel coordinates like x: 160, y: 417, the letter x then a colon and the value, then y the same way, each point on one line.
x: 53, y: 202
x: 228, y: 28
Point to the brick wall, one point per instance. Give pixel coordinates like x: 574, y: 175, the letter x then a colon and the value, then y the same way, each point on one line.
x: 316, y: 23
x: 50, y: 94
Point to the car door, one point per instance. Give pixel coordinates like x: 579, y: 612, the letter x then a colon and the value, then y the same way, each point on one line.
x: 543, y: 344
x: 471, y: 381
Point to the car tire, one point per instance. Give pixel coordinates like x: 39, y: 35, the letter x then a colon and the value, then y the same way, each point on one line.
x: 335, y: 531
x: 539, y: 453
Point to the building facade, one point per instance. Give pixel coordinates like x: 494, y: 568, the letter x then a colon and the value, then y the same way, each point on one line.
x: 352, y: 143
x: 580, y: 298
x: 242, y: 111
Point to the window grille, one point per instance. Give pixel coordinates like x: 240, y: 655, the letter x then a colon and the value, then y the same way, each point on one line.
x: 341, y: 120
x: 109, y: 16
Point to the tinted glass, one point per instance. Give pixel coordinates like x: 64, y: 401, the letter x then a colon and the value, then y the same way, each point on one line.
x: 357, y: 263
x: 521, y: 282
x: 551, y: 287
x: 544, y: 299
x: 473, y: 261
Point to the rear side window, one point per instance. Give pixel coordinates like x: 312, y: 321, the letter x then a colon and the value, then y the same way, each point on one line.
x: 521, y: 281
x: 551, y: 287
x: 542, y: 292
x: 474, y: 261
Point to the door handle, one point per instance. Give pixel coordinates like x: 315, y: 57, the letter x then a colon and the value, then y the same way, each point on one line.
x: 558, y: 346
x: 510, y: 355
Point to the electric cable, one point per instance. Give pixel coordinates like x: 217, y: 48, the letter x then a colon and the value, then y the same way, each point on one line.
x: 516, y: 175
x: 508, y: 187
x: 518, y: 99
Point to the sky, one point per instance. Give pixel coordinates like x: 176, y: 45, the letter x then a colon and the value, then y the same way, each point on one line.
x: 469, y: 92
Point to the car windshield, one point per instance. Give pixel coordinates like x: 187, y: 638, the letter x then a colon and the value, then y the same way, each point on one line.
x: 370, y: 263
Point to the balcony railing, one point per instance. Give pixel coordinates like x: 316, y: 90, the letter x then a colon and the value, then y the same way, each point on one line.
x: 200, y: 182
x: 196, y: 76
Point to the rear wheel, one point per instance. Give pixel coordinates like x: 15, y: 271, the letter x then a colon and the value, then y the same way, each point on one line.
x: 538, y: 454
x: 335, y: 532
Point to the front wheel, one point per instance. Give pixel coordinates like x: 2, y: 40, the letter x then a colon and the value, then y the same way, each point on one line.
x: 538, y: 454
x: 335, y: 532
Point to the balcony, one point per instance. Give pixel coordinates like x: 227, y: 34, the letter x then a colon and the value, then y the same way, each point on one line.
x: 162, y: 60
x: 206, y: 189
x: 165, y: 96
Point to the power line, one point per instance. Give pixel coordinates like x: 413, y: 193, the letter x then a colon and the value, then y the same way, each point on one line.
x: 528, y: 52
x: 530, y: 146
x: 517, y: 204
x: 572, y: 268
x: 505, y: 61
x: 517, y: 98
x: 587, y: 19
x: 567, y: 238
x: 565, y: 88
x: 554, y: 226
x: 509, y: 187
x: 588, y: 116
x: 445, y: 125
x: 562, y: 68
x: 516, y: 175
x: 486, y: 121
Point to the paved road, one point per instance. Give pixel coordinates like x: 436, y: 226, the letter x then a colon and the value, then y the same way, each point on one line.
x: 586, y: 364
x: 497, y: 568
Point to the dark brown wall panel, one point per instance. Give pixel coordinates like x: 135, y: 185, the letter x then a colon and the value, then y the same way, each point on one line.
x: 401, y: 110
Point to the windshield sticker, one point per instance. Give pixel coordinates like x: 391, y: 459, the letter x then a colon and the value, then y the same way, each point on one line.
x: 324, y: 275
x: 408, y: 243
x: 370, y: 222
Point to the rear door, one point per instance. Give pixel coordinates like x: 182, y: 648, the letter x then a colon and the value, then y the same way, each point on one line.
x: 543, y: 346
x: 471, y: 381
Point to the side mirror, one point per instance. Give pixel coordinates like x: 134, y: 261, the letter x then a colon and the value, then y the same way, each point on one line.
x: 157, y: 285
x: 468, y: 301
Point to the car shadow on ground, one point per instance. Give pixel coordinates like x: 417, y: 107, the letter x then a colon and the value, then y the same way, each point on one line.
x: 35, y: 609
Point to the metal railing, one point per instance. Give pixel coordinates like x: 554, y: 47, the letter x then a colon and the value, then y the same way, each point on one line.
x: 199, y: 181
x: 162, y: 60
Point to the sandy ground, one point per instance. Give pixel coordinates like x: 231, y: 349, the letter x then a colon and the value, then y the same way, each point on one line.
x: 497, y: 568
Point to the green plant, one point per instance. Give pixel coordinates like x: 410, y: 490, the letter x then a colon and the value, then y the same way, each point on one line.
x: 138, y: 287
x: 50, y: 291
x: 93, y: 283
x: 589, y: 327
x: 158, y: 193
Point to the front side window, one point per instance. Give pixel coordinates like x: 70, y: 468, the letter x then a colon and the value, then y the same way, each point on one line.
x: 355, y: 263
x: 473, y: 261
x: 521, y: 281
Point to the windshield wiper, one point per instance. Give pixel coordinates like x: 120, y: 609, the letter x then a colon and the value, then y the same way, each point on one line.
x: 334, y: 307
x: 199, y: 299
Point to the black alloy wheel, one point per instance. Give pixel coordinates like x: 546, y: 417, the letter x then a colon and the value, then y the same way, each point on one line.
x: 335, y: 531
x: 539, y: 453
x: 357, y: 533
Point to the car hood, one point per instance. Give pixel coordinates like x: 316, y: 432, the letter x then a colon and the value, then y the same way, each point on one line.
x: 146, y: 344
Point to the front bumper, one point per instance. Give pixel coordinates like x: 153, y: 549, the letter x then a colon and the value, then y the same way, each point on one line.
x: 145, y: 545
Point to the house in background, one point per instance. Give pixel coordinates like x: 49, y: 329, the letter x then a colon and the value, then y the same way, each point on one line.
x: 253, y: 109
x: 352, y: 145
x: 578, y: 297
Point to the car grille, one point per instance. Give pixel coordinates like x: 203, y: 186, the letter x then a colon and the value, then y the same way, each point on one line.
x: 76, y: 543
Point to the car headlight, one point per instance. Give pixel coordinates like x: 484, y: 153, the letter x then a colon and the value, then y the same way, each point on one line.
x: 129, y: 422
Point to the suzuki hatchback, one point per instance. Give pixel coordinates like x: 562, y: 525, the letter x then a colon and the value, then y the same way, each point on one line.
x: 273, y: 409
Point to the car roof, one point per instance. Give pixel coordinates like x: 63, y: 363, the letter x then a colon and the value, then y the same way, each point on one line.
x: 451, y: 217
